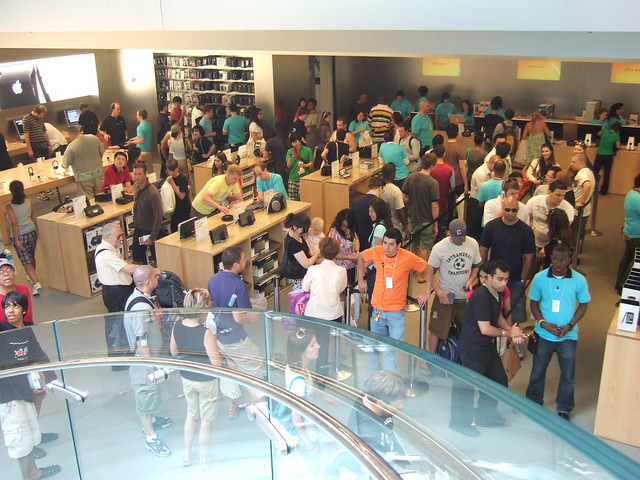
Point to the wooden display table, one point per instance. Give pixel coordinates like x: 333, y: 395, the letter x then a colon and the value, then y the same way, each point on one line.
x: 68, y: 244
x: 338, y: 191
x: 312, y: 191
x: 616, y: 415
x: 195, y: 262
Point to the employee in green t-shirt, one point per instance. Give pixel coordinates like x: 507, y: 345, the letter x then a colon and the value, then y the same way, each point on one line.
x: 299, y: 162
x: 609, y: 139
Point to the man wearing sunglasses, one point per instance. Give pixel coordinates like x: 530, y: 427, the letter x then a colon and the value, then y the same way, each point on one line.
x: 511, y: 240
x: 559, y: 298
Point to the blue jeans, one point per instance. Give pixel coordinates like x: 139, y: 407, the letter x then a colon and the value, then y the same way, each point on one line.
x: 566, y: 351
x: 519, y: 311
x: 390, y: 324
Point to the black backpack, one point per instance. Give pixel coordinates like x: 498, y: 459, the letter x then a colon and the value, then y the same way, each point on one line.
x: 170, y: 291
x: 509, y: 131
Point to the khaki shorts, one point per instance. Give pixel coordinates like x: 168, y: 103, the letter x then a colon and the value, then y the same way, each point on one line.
x: 20, y: 427
x: 424, y: 240
x: 147, y: 399
x: 90, y: 187
x: 245, y: 355
x: 201, y: 399
x: 444, y: 316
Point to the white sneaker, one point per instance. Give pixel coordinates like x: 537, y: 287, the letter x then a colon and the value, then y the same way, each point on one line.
x: 36, y: 289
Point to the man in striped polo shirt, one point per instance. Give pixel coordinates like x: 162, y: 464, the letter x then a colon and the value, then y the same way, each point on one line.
x: 35, y: 135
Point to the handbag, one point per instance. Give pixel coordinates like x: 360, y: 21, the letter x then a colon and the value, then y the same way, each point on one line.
x: 365, y: 139
x: 290, y: 267
x: 325, y: 170
x: 510, y: 361
x: 532, y: 345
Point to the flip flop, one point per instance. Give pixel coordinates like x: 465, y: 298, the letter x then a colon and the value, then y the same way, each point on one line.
x: 186, y: 462
x: 49, y: 471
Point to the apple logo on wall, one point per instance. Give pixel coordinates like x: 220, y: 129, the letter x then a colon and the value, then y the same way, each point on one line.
x: 17, y: 87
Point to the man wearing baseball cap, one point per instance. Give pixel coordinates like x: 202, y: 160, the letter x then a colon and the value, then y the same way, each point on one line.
x: 88, y: 120
x: 7, y: 284
x: 456, y: 259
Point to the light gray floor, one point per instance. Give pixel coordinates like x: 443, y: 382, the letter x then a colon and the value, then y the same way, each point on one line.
x: 599, y: 262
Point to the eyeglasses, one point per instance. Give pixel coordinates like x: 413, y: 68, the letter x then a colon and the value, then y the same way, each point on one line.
x: 301, y: 333
x: 514, y: 210
x: 559, y: 260
x: 6, y: 270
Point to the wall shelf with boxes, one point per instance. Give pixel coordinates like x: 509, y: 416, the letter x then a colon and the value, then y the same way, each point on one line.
x: 263, y: 244
x: 218, y: 80
x: 69, y: 245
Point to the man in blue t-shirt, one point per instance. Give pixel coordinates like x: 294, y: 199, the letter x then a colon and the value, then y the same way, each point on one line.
x: 143, y: 133
x: 236, y: 127
x: 206, y: 122
x: 402, y: 105
x: 227, y: 290
x: 393, y: 153
x: 559, y: 298
x: 422, y: 127
x: 268, y: 181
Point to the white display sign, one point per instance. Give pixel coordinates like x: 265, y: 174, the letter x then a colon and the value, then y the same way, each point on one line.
x: 628, y: 315
x: 116, y: 192
x: 152, y: 177
x: 202, y: 229
x: 79, y: 203
x: 237, y: 209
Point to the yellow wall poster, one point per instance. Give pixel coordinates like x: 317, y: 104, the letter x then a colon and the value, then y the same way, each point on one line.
x: 538, y: 70
x: 625, y: 73
x: 441, y: 67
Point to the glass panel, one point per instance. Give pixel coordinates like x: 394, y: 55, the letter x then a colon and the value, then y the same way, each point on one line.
x: 421, y: 427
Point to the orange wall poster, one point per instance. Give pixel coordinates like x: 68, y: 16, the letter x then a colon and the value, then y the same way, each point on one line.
x: 625, y: 73
x: 538, y: 70
x: 441, y: 67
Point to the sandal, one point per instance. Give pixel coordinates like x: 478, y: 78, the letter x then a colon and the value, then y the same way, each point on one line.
x: 186, y: 461
x: 214, y: 461
x: 49, y: 471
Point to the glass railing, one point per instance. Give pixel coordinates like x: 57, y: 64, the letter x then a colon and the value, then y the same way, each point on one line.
x: 405, y: 416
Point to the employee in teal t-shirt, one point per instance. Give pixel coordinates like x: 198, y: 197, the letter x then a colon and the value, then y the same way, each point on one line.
x: 402, y: 105
x: 422, y: 127
x: 609, y: 138
x: 143, y: 133
x: 236, y: 127
x: 443, y: 110
x: 268, y: 181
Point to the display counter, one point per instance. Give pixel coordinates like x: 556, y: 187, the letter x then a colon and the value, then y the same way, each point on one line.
x: 616, y: 415
x: 329, y: 195
x: 196, y: 261
x: 68, y: 244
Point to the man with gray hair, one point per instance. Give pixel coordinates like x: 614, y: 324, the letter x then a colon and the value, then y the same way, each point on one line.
x: 142, y: 326
x: 114, y: 273
x: 84, y: 155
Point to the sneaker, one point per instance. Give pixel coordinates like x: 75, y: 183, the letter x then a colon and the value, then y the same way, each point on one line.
x: 564, y: 415
x: 49, y: 192
x: 38, y: 453
x: 48, y: 437
x: 159, y: 423
x: 157, y: 447
x: 50, y: 471
x: 494, y: 420
x: 37, y: 288
x: 42, y: 196
x: 467, y: 430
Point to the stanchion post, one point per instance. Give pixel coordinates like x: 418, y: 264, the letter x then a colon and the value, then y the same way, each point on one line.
x: 418, y: 388
x: 576, y: 243
x: 276, y: 295
x: 347, y: 306
x: 592, y: 231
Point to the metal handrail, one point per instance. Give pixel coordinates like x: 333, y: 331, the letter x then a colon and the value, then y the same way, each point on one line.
x: 378, y: 468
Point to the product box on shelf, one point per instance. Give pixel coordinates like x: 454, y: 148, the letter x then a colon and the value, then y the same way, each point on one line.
x: 259, y: 244
x: 265, y: 265
x: 92, y: 237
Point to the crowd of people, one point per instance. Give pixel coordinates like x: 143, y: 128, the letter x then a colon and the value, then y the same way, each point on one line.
x: 524, y: 222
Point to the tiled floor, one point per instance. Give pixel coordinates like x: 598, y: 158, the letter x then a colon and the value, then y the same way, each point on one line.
x: 598, y: 262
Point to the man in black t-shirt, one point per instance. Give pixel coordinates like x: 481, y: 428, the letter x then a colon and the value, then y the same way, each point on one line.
x: 360, y: 208
x: 482, y: 323
x: 88, y: 120
x: 114, y: 127
x: 338, y: 150
x: 511, y: 240
x: 180, y: 185
x: 203, y: 148
x: 299, y: 126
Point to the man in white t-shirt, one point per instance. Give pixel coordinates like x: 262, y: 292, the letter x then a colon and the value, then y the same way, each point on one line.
x: 494, y: 208
x: 393, y: 196
x: 583, y: 184
x: 540, y: 206
x: 456, y: 259
x: 411, y: 145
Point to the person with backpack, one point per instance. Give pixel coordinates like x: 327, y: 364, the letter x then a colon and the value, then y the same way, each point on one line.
x: 411, y: 145
x: 491, y: 119
x: 176, y: 187
x: 145, y: 340
x: 510, y: 130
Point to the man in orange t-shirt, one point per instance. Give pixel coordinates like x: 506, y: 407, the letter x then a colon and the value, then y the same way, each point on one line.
x: 393, y: 266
